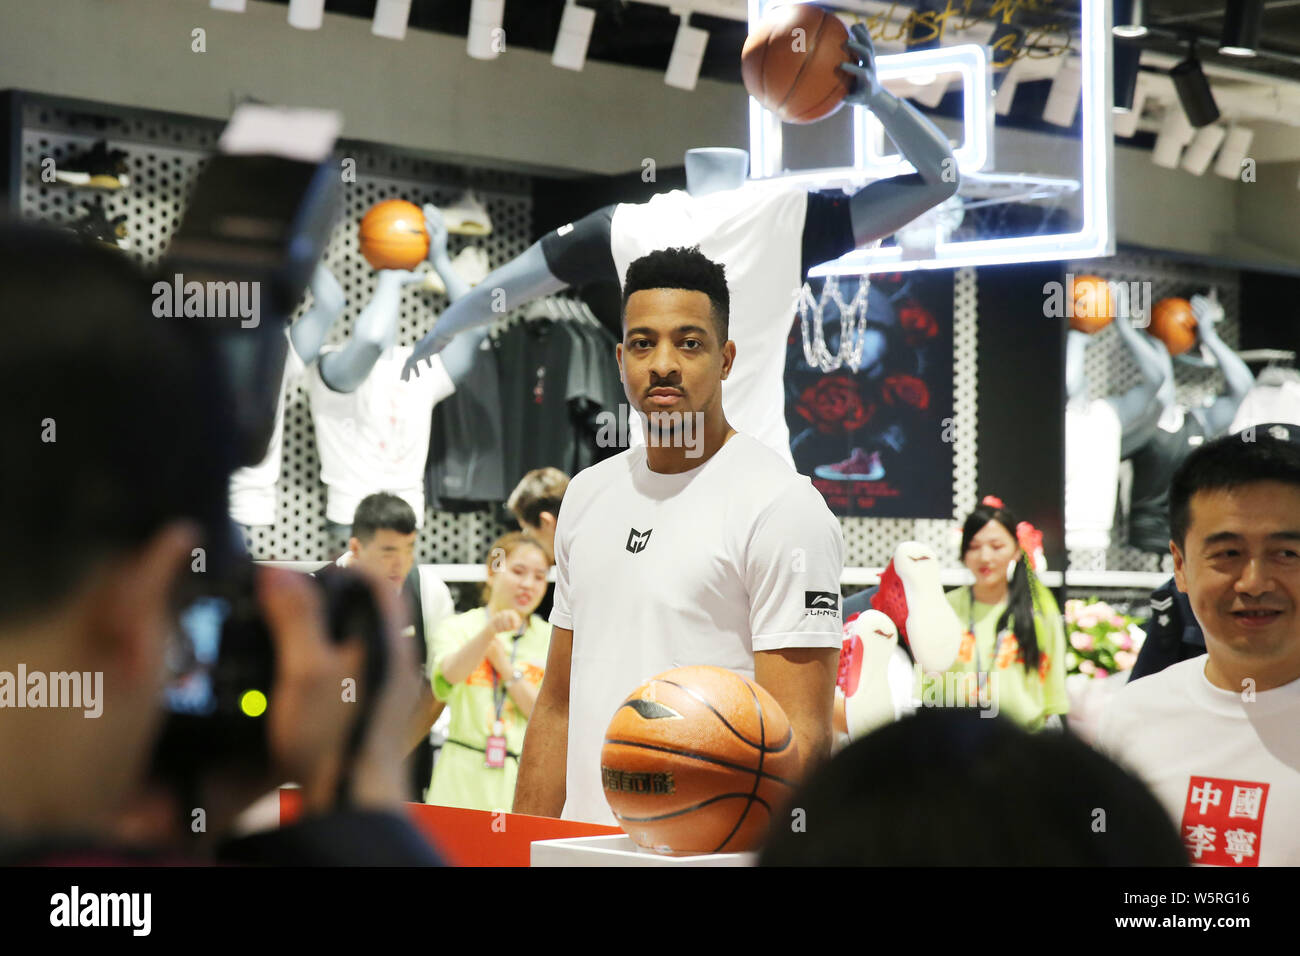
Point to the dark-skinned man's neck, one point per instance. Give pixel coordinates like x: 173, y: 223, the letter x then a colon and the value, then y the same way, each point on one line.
x: 672, y: 458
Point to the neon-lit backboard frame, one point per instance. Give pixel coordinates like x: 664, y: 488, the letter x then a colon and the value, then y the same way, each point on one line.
x: 975, y: 155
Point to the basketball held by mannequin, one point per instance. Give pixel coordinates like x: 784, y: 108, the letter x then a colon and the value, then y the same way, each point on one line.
x: 1174, y: 322
x: 791, y: 63
x: 698, y: 760
x: 393, y: 235
x: 1094, y: 307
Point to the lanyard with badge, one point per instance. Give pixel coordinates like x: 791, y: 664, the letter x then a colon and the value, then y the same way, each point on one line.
x: 495, y: 751
x: 980, y: 675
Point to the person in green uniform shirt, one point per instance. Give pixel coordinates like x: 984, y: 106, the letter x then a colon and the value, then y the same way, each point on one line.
x: 487, y: 664
x: 1017, y: 669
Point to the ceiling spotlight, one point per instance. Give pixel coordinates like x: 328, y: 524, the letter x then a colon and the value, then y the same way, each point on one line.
x: 1175, y: 133
x: 1233, y: 151
x: 1194, y: 91
x: 1063, y: 97
x: 485, y: 18
x: 1242, y: 21
x: 687, y: 56
x: 574, y: 37
x: 390, y: 18
x: 1130, y: 19
x: 306, y: 14
x: 1128, y: 57
x: 1197, y: 156
x: 231, y: 6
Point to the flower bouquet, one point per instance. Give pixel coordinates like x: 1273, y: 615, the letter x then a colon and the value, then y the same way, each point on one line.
x: 1102, y: 641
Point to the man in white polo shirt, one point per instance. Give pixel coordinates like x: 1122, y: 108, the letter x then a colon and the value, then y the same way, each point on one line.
x: 1217, y: 737
x: 700, y: 547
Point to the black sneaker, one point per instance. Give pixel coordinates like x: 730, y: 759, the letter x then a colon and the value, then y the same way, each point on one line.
x: 95, y: 168
x: 98, y: 227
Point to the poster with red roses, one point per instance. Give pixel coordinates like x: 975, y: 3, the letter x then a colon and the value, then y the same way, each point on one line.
x: 878, y: 442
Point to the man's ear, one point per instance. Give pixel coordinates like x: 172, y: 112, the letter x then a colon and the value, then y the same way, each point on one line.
x: 1180, y: 567
x: 354, y: 545
x: 131, y: 605
x: 546, y: 521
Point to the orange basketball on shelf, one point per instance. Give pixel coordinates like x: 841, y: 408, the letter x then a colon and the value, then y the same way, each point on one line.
x: 698, y: 760
x: 1174, y: 323
x: 791, y: 63
x: 1094, y: 308
x: 393, y: 235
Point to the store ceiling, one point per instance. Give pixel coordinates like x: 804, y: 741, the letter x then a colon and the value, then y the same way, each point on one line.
x: 636, y: 33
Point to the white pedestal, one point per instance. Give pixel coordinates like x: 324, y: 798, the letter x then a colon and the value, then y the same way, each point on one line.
x: 619, y: 850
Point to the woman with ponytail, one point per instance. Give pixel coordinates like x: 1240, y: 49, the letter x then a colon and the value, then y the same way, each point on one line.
x: 1014, y: 629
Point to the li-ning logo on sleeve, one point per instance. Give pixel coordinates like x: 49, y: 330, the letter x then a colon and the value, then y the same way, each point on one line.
x: 821, y: 603
x: 637, y: 540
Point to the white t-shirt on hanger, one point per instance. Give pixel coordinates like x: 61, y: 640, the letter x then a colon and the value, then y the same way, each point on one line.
x: 377, y: 437
x: 1092, y: 448
x: 658, y: 571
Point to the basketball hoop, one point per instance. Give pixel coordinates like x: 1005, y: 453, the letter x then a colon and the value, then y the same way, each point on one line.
x: 852, y: 315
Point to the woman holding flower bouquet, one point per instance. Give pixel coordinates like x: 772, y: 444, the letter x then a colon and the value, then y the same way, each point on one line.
x: 1014, y: 646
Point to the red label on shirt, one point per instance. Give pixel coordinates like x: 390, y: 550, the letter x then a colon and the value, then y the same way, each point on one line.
x: 1223, y: 821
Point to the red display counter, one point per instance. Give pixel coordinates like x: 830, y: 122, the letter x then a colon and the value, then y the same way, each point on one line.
x: 475, y: 837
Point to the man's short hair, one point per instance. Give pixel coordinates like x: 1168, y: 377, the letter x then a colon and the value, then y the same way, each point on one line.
x: 1229, y: 462
x: 115, y: 422
x: 381, y: 511
x: 542, y: 489
x: 682, y: 268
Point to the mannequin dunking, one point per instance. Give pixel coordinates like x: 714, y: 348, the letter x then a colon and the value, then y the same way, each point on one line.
x: 877, y: 210
x: 374, y: 335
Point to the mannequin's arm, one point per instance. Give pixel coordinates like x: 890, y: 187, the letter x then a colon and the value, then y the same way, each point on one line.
x: 1235, y: 372
x: 1076, y: 345
x: 308, y: 333
x: 881, y: 208
x: 515, y: 284
x: 375, y: 330
x: 1139, y: 408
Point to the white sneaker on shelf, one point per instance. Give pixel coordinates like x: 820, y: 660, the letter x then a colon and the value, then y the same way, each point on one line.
x: 432, y: 281
x: 471, y: 264
x: 467, y: 216
x: 911, y: 595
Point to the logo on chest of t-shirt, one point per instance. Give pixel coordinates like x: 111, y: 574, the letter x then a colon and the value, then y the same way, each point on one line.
x: 1223, y: 821
x: 821, y: 603
x: 637, y: 540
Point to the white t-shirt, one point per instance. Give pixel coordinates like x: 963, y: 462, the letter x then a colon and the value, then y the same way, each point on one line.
x: 658, y: 571
x: 1092, y: 447
x: 252, y: 489
x: 1226, y: 769
x: 377, y: 437
x: 756, y: 232
x: 1264, y: 404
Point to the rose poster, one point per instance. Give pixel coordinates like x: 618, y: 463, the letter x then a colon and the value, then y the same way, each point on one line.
x: 878, y: 442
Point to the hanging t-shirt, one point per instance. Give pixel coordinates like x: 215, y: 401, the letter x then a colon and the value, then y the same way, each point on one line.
x: 460, y: 778
x: 655, y: 571
x: 252, y: 489
x: 1154, y: 464
x: 1027, y: 698
x: 1266, y: 403
x: 1224, y: 763
x: 465, y: 469
x: 376, y: 438
x: 599, y: 434
x: 766, y: 235
x: 1092, y: 449
x: 545, y: 394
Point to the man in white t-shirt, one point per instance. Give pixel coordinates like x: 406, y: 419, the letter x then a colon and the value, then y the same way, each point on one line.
x: 701, y: 547
x: 1217, y: 737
